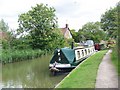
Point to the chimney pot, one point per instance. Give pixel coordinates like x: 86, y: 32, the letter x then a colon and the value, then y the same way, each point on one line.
x: 66, y: 25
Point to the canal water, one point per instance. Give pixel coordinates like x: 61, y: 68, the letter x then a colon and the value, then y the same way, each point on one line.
x: 29, y: 74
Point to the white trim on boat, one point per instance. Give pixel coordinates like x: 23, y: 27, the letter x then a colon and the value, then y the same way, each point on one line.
x: 58, y: 65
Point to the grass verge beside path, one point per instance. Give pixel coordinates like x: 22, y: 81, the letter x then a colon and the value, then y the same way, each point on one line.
x: 114, y: 57
x: 84, y: 76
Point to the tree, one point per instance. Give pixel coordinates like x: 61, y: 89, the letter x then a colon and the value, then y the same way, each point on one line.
x: 3, y: 26
x: 4, y: 39
x: 109, y: 22
x: 8, y: 40
x: 75, y: 35
x: 118, y: 9
x: 40, y: 25
x: 92, y: 31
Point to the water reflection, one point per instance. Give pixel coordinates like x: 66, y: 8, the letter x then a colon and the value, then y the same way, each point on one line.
x: 29, y: 74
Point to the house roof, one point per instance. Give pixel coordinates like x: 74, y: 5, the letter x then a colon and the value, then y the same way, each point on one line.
x: 64, y: 30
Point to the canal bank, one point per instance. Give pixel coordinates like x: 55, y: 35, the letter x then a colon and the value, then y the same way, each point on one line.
x: 29, y: 74
x: 84, y: 75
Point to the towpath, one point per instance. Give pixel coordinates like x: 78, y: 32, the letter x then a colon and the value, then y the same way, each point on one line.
x: 107, y: 76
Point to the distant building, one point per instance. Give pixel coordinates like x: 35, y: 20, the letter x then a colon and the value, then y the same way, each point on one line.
x: 66, y: 32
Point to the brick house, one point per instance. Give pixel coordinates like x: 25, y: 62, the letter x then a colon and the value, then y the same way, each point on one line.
x: 66, y: 32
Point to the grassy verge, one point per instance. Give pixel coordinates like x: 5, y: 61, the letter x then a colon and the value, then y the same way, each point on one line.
x: 84, y: 76
x: 114, y: 57
x: 10, y: 56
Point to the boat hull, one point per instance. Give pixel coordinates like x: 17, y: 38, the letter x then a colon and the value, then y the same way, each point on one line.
x: 64, y: 67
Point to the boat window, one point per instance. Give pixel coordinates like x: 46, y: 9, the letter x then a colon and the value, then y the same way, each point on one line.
x: 78, y: 53
x: 58, y: 50
x: 89, y: 50
x: 58, y: 54
x: 82, y: 53
x: 59, y: 59
x: 85, y: 51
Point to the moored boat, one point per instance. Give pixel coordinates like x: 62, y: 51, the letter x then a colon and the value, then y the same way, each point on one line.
x: 65, y: 59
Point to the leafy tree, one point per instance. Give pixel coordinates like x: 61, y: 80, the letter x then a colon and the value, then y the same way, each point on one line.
x: 40, y: 25
x: 4, y: 38
x: 8, y: 40
x: 118, y: 9
x: 109, y: 22
x: 92, y: 31
x: 75, y: 35
x: 3, y: 26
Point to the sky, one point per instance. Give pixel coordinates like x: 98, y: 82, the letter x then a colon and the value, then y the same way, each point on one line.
x: 75, y: 13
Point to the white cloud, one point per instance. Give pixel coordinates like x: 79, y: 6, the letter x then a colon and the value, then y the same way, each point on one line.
x: 76, y: 12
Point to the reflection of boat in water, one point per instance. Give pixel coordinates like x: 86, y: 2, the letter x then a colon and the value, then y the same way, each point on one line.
x: 65, y: 59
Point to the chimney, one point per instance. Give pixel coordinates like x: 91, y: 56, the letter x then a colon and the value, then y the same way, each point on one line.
x: 66, y: 26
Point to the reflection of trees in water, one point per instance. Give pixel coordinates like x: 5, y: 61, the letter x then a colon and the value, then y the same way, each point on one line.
x: 32, y: 74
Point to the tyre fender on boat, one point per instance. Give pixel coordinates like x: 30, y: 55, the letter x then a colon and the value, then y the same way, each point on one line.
x: 54, y: 69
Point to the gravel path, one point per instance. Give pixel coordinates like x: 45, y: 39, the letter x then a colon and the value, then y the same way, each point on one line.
x: 107, y: 76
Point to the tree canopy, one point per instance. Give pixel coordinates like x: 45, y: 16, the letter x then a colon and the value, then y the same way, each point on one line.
x: 91, y: 30
x: 109, y: 22
x: 40, y: 26
x: 75, y: 35
x: 7, y: 36
x: 3, y: 26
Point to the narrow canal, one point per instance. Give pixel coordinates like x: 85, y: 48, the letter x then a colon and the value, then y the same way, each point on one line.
x: 29, y: 74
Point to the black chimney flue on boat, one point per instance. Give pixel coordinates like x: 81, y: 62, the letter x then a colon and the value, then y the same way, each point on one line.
x: 72, y: 45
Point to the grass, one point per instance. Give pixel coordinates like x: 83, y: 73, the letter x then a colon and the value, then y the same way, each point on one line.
x: 84, y: 76
x: 114, y: 57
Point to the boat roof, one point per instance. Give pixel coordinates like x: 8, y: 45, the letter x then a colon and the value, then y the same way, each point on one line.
x: 67, y: 56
